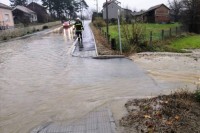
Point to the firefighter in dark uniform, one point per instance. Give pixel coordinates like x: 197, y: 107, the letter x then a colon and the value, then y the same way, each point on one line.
x: 78, y: 27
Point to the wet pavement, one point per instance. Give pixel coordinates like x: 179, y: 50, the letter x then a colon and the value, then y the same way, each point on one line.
x: 41, y: 83
x: 88, y: 49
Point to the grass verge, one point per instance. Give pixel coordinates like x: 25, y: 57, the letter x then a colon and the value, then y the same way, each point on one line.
x: 176, y: 44
x: 188, y: 42
x: 103, y: 47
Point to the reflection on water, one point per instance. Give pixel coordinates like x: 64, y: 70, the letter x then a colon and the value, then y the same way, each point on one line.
x: 68, y: 34
x: 27, y: 69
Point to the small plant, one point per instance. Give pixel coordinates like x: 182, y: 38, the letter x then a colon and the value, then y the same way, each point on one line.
x: 5, y: 38
x: 99, y: 22
x: 34, y: 30
x: 45, y: 27
x: 197, y: 94
x: 134, y: 35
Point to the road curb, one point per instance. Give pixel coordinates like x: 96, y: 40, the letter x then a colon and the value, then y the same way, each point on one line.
x: 108, y: 56
x: 112, y: 121
x: 94, y: 42
x: 30, y: 35
x: 73, y: 47
x: 103, y: 56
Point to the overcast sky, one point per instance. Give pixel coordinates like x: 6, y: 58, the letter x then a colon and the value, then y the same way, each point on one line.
x: 131, y: 4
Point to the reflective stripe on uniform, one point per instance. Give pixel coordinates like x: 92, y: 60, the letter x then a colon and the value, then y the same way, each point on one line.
x: 78, y: 24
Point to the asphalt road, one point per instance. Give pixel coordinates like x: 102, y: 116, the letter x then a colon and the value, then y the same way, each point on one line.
x: 41, y: 82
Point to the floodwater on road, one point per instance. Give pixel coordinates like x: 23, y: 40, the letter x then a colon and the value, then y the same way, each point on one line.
x: 27, y: 68
x: 41, y: 82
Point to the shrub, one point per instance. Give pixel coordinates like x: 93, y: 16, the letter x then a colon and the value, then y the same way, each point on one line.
x: 197, y: 94
x: 45, y: 27
x: 134, y: 35
x: 5, y: 38
x: 99, y: 22
x: 34, y: 30
x: 113, y: 21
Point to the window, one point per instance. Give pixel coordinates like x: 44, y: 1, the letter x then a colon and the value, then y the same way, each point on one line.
x: 6, y: 17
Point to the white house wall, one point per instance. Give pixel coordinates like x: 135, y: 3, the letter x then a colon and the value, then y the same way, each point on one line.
x: 6, y: 18
x: 112, y: 11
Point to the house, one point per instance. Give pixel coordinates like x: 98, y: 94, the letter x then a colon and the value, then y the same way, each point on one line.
x: 42, y: 15
x: 24, y: 15
x: 113, y: 7
x: 6, y: 17
x: 127, y: 14
x: 139, y: 16
x: 156, y: 14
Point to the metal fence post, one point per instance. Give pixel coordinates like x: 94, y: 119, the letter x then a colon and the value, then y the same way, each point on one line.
x: 162, y: 35
x: 176, y: 30
x: 108, y: 38
x: 102, y: 31
x: 136, y: 38
x: 150, y: 41
x: 113, y: 44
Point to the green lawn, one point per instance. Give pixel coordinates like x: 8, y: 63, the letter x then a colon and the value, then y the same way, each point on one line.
x: 190, y: 42
x: 170, y: 45
x: 155, y: 28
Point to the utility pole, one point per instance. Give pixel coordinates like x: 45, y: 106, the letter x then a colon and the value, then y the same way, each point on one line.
x: 119, y: 31
x: 80, y: 7
x: 107, y: 29
x: 33, y: 5
x: 97, y: 6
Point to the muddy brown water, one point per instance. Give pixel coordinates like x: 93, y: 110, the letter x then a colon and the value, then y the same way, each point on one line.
x: 41, y: 82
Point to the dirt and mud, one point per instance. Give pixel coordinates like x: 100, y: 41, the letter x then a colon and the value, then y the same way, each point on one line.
x: 175, y: 113
x: 171, y: 67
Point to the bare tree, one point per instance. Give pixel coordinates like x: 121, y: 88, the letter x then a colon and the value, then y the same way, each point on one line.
x: 191, y: 15
x: 175, y: 6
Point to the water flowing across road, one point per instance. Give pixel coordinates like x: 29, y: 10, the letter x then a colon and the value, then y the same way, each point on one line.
x: 41, y: 82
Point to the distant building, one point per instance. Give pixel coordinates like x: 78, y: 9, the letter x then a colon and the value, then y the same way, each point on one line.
x: 41, y: 12
x: 6, y: 17
x: 156, y: 14
x: 127, y: 14
x: 113, y: 7
x: 139, y: 16
x: 24, y: 15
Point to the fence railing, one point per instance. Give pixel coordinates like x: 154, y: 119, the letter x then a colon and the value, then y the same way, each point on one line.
x: 164, y: 34
x: 150, y: 37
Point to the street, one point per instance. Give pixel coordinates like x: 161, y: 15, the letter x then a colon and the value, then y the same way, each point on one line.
x: 41, y: 82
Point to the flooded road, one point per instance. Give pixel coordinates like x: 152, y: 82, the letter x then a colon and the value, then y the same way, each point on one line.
x: 41, y: 82
x: 27, y: 68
